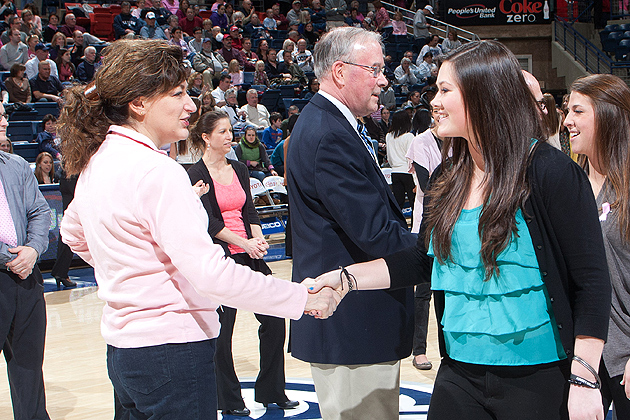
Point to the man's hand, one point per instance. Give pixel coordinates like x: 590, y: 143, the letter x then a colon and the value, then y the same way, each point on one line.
x: 23, y: 264
x: 626, y: 379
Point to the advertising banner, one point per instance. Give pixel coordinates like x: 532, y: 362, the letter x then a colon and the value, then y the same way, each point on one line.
x: 496, y: 12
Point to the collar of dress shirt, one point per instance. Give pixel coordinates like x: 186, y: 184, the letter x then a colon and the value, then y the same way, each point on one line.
x: 133, y: 135
x: 344, y: 109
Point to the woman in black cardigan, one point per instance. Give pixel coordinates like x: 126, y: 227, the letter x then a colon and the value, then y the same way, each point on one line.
x: 505, y: 188
x: 234, y: 224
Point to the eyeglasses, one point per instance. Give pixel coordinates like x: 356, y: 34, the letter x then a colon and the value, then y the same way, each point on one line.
x: 377, y: 71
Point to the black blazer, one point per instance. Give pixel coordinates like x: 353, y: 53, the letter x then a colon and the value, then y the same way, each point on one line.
x: 343, y: 212
x: 209, y: 200
x: 562, y: 219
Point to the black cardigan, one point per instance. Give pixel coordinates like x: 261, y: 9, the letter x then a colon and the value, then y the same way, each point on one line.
x: 563, y: 222
x: 216, y: 224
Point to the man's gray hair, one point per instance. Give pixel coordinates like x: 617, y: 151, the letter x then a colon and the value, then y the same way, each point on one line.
x: 252, y: 92
x: 338, y: 45
x: 90, y: 48
x: 405, y: 60
x: 231, y: 91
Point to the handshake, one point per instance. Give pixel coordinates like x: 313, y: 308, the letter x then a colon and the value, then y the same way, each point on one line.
x: 326, y: 291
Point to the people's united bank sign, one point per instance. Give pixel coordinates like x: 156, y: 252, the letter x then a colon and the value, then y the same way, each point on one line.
x: 492, y: 12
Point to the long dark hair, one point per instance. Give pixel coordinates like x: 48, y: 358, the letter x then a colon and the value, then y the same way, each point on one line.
x: 551, y: 120
x: 610, y: 98
x: 421, y: 121
x: 205, y: 124
x: 503, y: 119
x: 401, y: 123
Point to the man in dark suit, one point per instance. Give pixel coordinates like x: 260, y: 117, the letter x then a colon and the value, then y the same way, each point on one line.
x: 343, y: 212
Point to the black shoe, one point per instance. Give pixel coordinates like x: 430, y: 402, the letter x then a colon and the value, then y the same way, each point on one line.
x: 285, y: 405
x: 67, y: 283
x: 243, y: 412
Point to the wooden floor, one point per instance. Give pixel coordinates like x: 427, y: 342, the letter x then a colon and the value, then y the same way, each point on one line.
x: 77, y: 386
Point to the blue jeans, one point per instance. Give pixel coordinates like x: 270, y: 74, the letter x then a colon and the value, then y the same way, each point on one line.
x: 169, y: 381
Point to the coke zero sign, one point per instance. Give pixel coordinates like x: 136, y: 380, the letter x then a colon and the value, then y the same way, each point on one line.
x: 496, y: 12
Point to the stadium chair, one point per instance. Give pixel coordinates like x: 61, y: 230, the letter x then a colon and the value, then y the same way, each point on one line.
x: 287, y: 91
x: 624, y: 27
x: 611, y: 28
x: 610, y: 44
x: 31, y: 115
x: 28, y: 151
x: 5, y: 75
x: 621, y: 53
x: 270, y: 99
x: 205, y: 14
x: 20, y: 131
x: 248, y: 77
x: 44, y: 108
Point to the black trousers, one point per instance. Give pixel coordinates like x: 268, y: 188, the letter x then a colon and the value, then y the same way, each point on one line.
x: 422, y: 302
x: 613, y: 391
x: 64, y: 253
x: 270, y: 382
x: 464, y: 391
x: 403, y: 184
x: 22, y: 332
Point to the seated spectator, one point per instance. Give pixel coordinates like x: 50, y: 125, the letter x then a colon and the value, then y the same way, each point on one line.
x: 303, y: 57
x: 35, y: 21
x: 219, y: 18
x: 196, y: 86
x: 236, y: 116
x: 59, y: 41
x: 255, y: 113
x: 195, y: 45
x: 48, y: 140
x: 305, y: 17
x: 45, y: 169
x: 403, y: 73
x: 274, y: 74
x: 260, y: 76
x: 181, y: 10
x: 318, y: 18
x: 287, y: 45
x: 151, y: 30
x: 255, y: 29
x: 399, y: 25
x: 17, y: 85
x: 426, y: 67
x: 230, y: 53
x: 41, y: 54
x: 177, y: 39
x: 248, y: 11
x: 237, y: 38
x: 15, y: 22
x: 385, y: 123
x: 451, y: 42
x: 272, y: 134
x: 284, y: 126
x: 387, y: 97
x: 350, y: 18
x: 70, y: 26
x: 253, y: 154
x: 13, y: 52
x: 140, y: 6
x: 433, y: 47
x: 65, y: 67
x: 288, y: 66
x: 250, y: 58
x: 216, y: 4
x: 211, y: 64
x: 310, y: 35
x: 46, y: 87
x: 171, y: 5
x: 277, y: 158
x: 294, y: 14
x: 89, y: 66
x: 81, y: 41
x: 217, y: 38
x: 270, y: 23
x: 189, y: 22
x: 263, y: 50
x: 28, y: 24
x: 237, y: 19
x: 51, y: 29
x: 282, y: 22
x: 413, y: 100
x: 207, y: 29
x: 31, y: 41
x: 6, y: 146
x: 219, y: 93
x: 312, y: 89
x: 235, y: 73
x: 126, y: 25
x: 208, y: 103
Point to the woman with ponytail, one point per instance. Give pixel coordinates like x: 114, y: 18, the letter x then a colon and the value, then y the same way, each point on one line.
x: 144, y: 231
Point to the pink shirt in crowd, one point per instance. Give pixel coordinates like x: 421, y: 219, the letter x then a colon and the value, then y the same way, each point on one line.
x: 137, y: 221
x: 231, y: 199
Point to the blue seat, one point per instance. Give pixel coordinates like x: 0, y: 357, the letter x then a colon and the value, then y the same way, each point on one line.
x: 270, y: 99
x: 624, y: 27
x: 45, y: 108
x: 621, y: 53
x: 31, y: 115
x: 28, y: 151
x: 609, y: 45
x: 626, y: 35
x: 248, y: 77
x: 4, y: 75
x: 611, y: 28
x: 287, y: 91
x: 259, y: 88
x: 22, y: 130
x: 276, y: 44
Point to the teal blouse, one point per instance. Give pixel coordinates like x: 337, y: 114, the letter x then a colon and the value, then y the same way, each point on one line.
x: 506, y: 320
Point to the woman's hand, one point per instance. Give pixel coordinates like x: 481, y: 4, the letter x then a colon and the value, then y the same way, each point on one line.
x: 256, y: 248
x: 626, y: 379
x: 585, y: 403
x: 200, y: 188
x: 322, y: 304
x: 331, y: 279
x: 274, y: 173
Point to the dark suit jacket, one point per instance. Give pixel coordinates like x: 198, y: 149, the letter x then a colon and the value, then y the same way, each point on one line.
x: 342, y: 212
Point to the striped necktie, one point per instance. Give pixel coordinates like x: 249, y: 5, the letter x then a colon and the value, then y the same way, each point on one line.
x: 367, y: 140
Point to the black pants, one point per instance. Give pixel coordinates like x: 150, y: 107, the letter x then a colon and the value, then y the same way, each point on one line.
x: 464, y: 391
x: 270, y: 383
x: 64, y: 253
x: 403, y: 184
x: 422, y: 302
x: 22, y: 332
x: 612, y: 391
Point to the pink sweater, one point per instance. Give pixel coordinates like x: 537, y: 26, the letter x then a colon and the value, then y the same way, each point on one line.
x: 137, y: 221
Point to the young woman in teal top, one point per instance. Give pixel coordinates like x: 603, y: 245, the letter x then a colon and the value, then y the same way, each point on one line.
x: 519, y: 273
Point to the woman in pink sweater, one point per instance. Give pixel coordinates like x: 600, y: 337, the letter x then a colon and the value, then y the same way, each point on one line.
x: 144, y: 231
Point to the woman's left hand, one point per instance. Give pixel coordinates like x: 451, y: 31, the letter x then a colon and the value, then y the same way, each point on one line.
x: 274, y: 173
x: 585, y: 403
x: 626, y: 379
x: 200, y: 188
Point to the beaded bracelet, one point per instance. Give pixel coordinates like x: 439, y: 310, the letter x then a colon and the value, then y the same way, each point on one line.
x: 349, y: 278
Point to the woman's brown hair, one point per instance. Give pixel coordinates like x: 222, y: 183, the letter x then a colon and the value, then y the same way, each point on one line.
x: 610, y: 98
x: 39, y: 174
x: 131, y: 69
x: 503, y: 118
x: 205, y: 124
x: 551, y: 120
